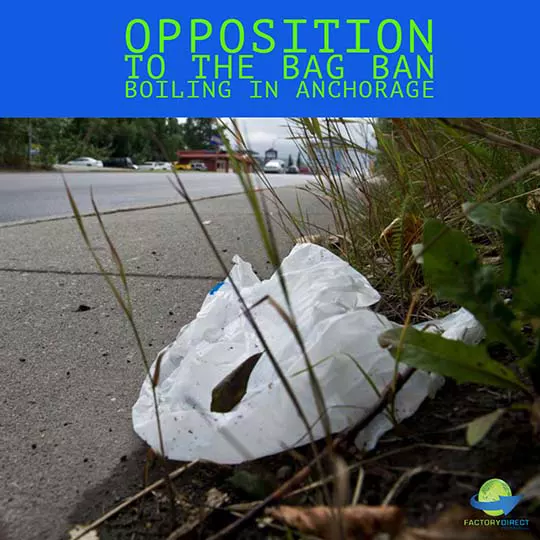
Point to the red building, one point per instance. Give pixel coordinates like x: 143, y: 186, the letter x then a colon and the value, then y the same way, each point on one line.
x: 215, y: 161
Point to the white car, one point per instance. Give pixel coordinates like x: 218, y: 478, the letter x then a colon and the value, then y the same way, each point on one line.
x: 85, y: 162
x: 155, y: 166
x: 198, y: 166
x: 275, y: 166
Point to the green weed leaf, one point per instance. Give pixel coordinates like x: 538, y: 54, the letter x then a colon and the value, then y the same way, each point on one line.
x: 516, y: 220
x: 449, y: 261
x: 516, y: 223
x: 481, y: 426
x: 513, y: 221
x: 485, y: 214
x: 251, y: 485
x: 527, y: 286
x: 453, y: 271
x: 455, y: 359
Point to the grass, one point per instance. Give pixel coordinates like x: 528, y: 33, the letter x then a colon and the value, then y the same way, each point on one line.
x: 422, y: 168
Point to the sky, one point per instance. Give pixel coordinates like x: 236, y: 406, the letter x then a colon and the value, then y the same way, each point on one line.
x: 264, y: 133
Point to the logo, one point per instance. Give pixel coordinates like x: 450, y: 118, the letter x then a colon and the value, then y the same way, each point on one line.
x: 495, y: 498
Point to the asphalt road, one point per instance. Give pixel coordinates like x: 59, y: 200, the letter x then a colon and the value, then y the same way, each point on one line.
x: 70, y: 375
x: 29, y: 196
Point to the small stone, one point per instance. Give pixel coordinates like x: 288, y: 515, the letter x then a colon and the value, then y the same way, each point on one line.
x: 83, y: 307
x: 283, y: 473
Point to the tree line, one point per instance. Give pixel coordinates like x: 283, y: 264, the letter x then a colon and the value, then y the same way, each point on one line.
x: 43, y: 142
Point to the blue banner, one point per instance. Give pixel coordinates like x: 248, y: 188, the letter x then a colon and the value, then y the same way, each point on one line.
x: 213, y: 59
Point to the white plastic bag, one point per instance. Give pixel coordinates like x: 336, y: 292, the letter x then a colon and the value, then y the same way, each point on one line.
x: 330, y: 302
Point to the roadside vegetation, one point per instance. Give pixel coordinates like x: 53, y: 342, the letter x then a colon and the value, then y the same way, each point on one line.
x: 43, y: 142
x: 447, y: 216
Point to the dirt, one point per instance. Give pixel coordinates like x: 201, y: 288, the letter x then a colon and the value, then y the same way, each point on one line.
x: 447, y: 473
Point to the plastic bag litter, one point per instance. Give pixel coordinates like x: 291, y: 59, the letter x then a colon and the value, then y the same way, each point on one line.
x: 330, y: 302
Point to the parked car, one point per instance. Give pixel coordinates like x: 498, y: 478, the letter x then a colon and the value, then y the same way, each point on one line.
x: 85, y: 162
x: 198, y: 166
x: 164, y: 166
x: 305, y: 170
x: 293, y: 169
x: 182, y: 166
x: 120, y: 162
x: 155, y: 166
x: 275, y: 166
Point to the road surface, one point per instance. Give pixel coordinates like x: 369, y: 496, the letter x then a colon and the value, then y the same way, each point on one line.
x: 29, y: 196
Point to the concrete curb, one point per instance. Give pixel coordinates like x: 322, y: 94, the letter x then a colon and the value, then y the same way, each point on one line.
x: 89, y: 170
x: 66, y: 169
x: 128, y: 209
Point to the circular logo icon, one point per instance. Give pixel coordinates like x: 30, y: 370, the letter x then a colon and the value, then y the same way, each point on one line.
x: 491, y: 491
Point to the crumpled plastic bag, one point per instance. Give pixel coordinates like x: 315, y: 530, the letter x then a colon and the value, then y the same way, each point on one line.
x: 330, y: 302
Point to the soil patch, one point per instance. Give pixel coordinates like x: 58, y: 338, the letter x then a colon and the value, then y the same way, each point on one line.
x: 446, y: 472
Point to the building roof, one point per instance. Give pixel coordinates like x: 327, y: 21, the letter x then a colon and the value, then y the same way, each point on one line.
x: 201, y: 154
x: 208, y: 154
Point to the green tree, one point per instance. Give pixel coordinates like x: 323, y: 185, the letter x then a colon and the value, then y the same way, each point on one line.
x: 290, y: 163
x: 142, y: 139
x: 13, y: 142
x: 197, y: 133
